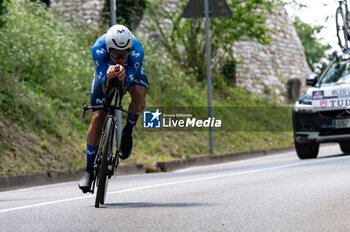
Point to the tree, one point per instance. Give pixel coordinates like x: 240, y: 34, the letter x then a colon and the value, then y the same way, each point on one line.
x: 296, y: 4
x: 184, y: 39
x: 315, y: 51
x: 129, y: 12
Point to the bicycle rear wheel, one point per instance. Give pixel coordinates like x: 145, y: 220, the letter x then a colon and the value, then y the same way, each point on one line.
x: 342, y: 28
x: 102, y: 183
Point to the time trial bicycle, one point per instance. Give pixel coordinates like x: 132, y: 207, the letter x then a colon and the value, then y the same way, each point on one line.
x: 107, y: 158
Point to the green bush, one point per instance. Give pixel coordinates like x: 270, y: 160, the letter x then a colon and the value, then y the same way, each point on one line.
x: 171, y: 86
x: 47, y: 68
x: 25, y: 107
x: 45, y: 53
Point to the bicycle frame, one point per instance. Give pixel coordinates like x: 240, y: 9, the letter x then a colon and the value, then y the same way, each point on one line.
x: 345, y: 3
x: 118, y: 90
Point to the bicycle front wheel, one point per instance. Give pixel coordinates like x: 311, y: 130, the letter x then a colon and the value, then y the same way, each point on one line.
x: 342, y: 28
x: 103, y: 171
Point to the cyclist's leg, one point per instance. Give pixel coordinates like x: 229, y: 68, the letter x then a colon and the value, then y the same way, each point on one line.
x: 97, y: 97
x: 137, y: 91
x: 93, y: 138
x: 95, y: 128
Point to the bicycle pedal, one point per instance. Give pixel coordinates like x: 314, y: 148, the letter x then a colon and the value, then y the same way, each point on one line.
x: 86, y: 190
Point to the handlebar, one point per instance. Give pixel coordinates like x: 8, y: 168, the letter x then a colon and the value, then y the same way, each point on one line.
x: 103, y: 107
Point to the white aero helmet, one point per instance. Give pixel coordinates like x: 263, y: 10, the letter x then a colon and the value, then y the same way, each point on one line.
x: 119, y: 37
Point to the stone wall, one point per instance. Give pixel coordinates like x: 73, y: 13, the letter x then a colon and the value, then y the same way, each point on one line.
x: 86, y: 10
x: 267, y: 69
x: 275, y: 69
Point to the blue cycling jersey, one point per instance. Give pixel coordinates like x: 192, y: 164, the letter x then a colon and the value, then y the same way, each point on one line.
x: 102, y: 60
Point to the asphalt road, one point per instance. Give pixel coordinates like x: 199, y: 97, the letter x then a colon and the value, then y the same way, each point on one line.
x: 273, y: 193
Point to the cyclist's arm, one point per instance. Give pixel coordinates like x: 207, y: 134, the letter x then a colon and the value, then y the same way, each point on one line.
x: 99, y: 55
x: 135, y: 62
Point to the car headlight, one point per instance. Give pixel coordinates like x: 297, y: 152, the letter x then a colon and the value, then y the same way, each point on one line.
x: 303, y: 104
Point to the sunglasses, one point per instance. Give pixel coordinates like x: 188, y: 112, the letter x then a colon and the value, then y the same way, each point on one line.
x: 116, y: 54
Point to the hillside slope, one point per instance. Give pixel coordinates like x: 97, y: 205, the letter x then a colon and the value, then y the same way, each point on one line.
x: 45, y: 80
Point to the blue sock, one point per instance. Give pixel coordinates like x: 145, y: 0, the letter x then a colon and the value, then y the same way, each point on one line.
x: 130, y: 123
x: 91, y: 152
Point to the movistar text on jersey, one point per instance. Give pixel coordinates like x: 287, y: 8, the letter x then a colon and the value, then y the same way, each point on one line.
x: 191, y: 122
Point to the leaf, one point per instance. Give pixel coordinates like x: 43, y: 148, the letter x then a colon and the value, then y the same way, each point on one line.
x: 38, y: 90
x: 184, y: 39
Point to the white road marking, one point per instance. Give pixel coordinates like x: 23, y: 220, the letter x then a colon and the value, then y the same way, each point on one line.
x: 300, y: 163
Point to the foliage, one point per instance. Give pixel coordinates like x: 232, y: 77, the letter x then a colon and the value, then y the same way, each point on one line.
x: 315, y: 51
x: 46, y: 54
x: 19, y: 104
x: 229, y: 71
x: 184, y: 39
x: 296, y: 4
x: 129, y: 12
x: 3, y: 11
x: 47, y: 70
x: 170, y: 86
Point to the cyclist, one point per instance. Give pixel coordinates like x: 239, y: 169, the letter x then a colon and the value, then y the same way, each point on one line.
x: 116, y: 54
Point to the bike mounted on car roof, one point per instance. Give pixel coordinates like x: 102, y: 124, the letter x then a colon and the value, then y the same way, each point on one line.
x: 107, y: 158
x: 342, y: 19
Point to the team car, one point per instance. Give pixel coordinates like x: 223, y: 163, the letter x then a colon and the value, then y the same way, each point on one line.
x: 322, y: 114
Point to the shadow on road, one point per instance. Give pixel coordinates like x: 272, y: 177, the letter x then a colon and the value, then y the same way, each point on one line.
x: 334, y: 156
x: 155, y: 205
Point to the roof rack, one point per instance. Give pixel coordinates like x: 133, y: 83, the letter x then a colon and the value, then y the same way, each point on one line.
x: 344, y: 54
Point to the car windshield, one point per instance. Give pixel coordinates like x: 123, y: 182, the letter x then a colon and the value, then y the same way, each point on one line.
x: 338, y: 73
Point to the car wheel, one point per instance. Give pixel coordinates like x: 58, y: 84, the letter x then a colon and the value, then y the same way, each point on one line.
x: 306, y: 150
x: 345, y: 146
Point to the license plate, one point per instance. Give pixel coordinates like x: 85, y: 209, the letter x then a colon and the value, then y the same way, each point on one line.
x: 341, y: 123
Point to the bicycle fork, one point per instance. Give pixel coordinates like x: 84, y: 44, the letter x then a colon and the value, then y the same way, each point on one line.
x: 113, y: 159
x: 116, y: 155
